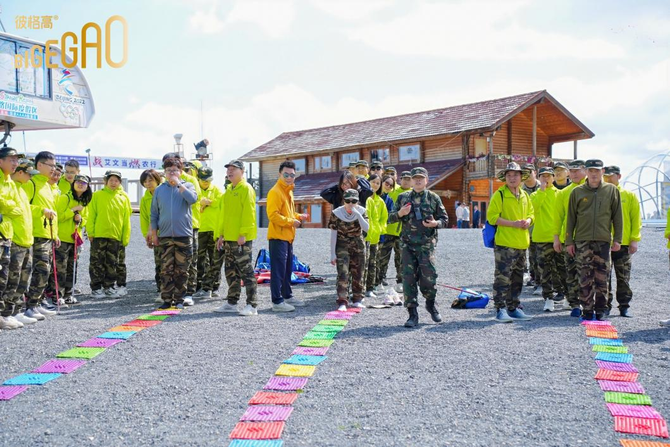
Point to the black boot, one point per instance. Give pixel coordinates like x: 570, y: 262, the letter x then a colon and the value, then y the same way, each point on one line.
x: 432, y: 310
x: 413, y: 319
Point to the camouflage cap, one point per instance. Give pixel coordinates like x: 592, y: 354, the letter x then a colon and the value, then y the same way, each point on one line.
x: 205, y: 173
x: 82, y: 178
x: 512, y: 166
x: 351, y: 194
x: 419, y: 172
x: 561, y: 165
x: 530, y: 167
x: 353, y: 164
x: 390, y: 169
x: 611, y: 170
x: 594, y: 163
x: 576, y: 164
x: 546, y: 170
x: 405, y: 174
x: 376, y: 164
x: 236, y: 164
x: 110, y: 173
x: 10, y: 152
x: 59, y: 167
x: 28, y: 166
x: 362, y: 163
x: 171, y: 155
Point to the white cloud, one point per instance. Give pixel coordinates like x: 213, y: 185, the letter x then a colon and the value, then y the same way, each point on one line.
x: 206, y: 22
x: 352, y: 10
x: 274, y: 18
x: 476, y: 30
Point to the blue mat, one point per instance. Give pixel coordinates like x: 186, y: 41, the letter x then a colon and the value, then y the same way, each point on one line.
x: 605, y: 341
x: 306, y: 359
x: 253, y: 443
x: 32, y: 379
x: 118, y: 335
x: 618, y: 358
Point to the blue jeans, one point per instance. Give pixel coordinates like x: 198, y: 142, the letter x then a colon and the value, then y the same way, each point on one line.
x: 281, y: 268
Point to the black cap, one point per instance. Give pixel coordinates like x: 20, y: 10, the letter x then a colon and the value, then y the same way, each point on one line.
x: 560, y: 164
x: 171, y: 155
x: 546, y: 170
x: 205, y: 173
x: 576, y: 164
x: 610, y: 170
x: 405, y: 174
x: 9, y: 152
x: 594, y: 164
x: 236, y: 163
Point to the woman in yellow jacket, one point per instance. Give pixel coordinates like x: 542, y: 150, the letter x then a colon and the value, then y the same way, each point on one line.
x: 108, y: 229
x: 378, y: 216
x: 150, y: 179
x: 72, y: 211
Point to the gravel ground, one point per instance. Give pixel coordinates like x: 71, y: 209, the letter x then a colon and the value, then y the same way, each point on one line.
x: 465, y: 382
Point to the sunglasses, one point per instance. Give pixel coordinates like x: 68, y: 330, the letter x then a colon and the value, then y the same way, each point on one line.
x: 287, y: 175
x: 351, y: 201
x: 375, y: 169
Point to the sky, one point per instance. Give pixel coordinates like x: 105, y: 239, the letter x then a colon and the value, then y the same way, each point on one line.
x: 260, y: 68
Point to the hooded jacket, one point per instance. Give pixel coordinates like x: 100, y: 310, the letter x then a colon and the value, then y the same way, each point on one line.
x: 237, y: 214
x: 109, y: 215
x: 544, y: 207
x: 510, y: 207
x: 281, y: 212
x: 66, y: 223
x: 209, y: 216
x: 41, y: 196
x: 378, y: 216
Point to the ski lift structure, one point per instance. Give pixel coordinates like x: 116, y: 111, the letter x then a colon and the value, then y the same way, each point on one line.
x: 650, y: 182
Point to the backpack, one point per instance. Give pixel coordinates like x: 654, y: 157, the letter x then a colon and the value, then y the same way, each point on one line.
x: 263, y: 259
x: 299, y: 266
x: 489, y: 231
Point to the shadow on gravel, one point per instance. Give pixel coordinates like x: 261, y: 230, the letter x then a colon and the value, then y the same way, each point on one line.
x: 649, y: 336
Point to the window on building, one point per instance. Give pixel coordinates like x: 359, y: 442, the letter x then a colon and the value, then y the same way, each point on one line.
x: 349, y: 157
x: 300, y: 165
x: 409, y: 152
x: 315, y: 214
x: 8, y: 77
x: 33, y: 81
x: 383, y: 155
x: 481, y: 146
x: 322, y: 163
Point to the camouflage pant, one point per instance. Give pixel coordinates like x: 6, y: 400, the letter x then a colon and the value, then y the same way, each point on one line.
x: 571, y: 279
x: 176, y: 254
x: 20, y: 265
x: 40, y: 270
x: 532, y: 261
x: 239, y: 267
x: 157, y: 266
x: 121, y: 271
x: 390, y: 243
x: 193, y: 266
x: 508, y: 278
x: 5, y: 259
x: 65, y: 268
x: 593, y: 258
x: 546, y: 273
x: 371, y: 272
x: 206, y: 249
x: 350, y: 255
x: 103, y: 262
x: 212, y: 279
x: 418, y: 268
x: 621, y: 264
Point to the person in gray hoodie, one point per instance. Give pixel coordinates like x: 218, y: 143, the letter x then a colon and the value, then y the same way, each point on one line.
x: 171, y: 219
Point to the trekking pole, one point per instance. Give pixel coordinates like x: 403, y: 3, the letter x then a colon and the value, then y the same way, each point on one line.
x: 74, y: 273
x: 53, y: 258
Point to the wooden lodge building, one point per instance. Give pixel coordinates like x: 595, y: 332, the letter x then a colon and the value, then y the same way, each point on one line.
x: 462, y: 147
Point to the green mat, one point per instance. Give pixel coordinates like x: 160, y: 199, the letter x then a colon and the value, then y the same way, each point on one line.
x: 334, y: 322
x: 610, y: 349
x: 326, y: 328
x: 321, y: 335
x: 153, y: 317
x: 80, y: 353
x: 627, y: 398
x: 311, y: 343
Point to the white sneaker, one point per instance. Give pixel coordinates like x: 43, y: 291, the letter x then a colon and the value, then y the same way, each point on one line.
x: 226, y: 308
x: 15, y: 321
x: 188, y: 301
x: 359, y: 305
x: 398, y: 288
x: 121, y: 291
x: 248, y: 311
x: 388, y: 301
x: 44, y: 311
x: 665, y: 323
x: 379, y: 289
x: 98, y: 294
x: 33, y: 313
x: 5, y: 323
x: 295, y: 302
x: 342, y: 308
x: 537, y: 290
x: 202, y: 294
x: 111, y: 293
x: 370, y: 294
x: 159, y: 299
x: 215, y: 294
x: 549, y: 305
x: 22, y: 318
x: 282, y: 307
x: 565, y: 304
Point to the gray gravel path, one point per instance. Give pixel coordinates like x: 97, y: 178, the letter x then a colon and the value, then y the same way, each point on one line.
x: 466, y: 382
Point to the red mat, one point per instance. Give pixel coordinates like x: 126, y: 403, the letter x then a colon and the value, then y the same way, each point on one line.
x: 268, y: 398
x: 619, y: 376
x: 639, y: 426
x: 257, y: 430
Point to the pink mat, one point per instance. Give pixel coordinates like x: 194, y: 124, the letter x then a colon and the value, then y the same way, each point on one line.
x: 9, y: 392
x: 286, y: 383
x: 99, y: 343
x: 303, y: 350
x: 634, y: 411
x: 62, y: 366
x: 260, y: 413
x: 614, y: 366
x: 622, y: 387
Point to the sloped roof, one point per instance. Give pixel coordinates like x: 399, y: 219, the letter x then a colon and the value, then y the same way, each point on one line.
x: 485, y: 115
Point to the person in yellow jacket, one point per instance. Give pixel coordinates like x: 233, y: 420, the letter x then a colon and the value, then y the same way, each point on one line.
x: 378, y: 216
x: 392, y: 232
x: 150, y: 179
x: 511, y: 210
x: 45, y: 231
x: 544, y: 205
x: 210, y: 260
x: 108, y: 229
x: 72, y: 210
x: 622, y: 260
x: 22, y: 240
x: 67, y: 180
x: 235, y: 234
x: 568, y: 272
x: 666, y: 323
x: 283, y: 220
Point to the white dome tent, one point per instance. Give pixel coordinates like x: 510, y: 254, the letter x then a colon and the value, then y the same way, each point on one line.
x: 651, y: 183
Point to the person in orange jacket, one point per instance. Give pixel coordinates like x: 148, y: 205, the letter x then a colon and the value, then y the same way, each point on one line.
x: 281, y: 233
